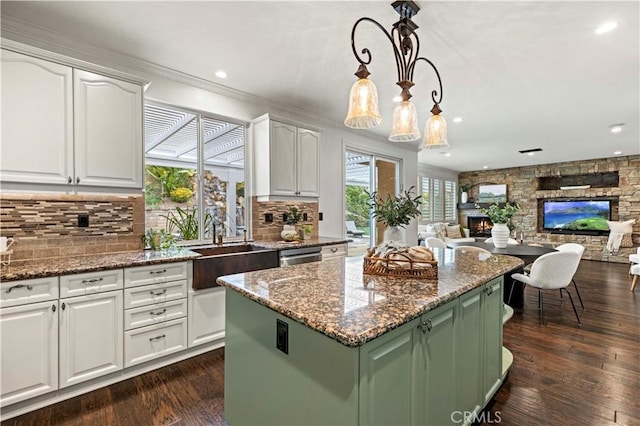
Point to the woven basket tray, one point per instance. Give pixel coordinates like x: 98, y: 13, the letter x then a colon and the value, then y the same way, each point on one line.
x: 406, y: 267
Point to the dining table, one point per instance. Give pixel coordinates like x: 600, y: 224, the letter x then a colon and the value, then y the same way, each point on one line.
x: 528, y: 253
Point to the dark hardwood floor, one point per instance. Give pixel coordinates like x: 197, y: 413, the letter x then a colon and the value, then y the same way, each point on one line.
x: 563, y: 373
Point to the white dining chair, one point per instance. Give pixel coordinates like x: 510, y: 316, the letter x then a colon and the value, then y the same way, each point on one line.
x: 510, y: 241
x: 433, y: 242
x: 550, y: 271
x: 579, y: 249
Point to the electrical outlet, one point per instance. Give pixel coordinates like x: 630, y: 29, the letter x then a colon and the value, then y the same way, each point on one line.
x: 282, y: 336
x: 83, y: 220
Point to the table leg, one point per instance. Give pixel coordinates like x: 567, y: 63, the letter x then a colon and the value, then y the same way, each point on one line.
x: 517, y: 298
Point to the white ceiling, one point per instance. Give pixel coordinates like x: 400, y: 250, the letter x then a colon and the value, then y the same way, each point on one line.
x: 521, y: 74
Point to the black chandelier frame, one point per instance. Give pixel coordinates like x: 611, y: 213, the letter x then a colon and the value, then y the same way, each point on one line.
x: 406, y: 48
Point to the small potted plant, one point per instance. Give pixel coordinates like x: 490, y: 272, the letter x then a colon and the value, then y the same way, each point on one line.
x: 395, y: 212
x: 291, y: 219
x: 464, y: 192
x: 501, y: 218
x: 157, y: 239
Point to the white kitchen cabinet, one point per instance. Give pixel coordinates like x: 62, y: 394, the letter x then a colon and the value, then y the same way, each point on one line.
x: 334, y: 250
x: 91, y: 334
x: 155, y: 310
x: 286, y: 159
x: 28, y: 351
x: 206, y: 315
x: 108, y: 131
x: 63, y: 125
x: 37, y: 120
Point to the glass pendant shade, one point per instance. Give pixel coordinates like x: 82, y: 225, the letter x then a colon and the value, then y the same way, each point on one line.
x: 404, y: 127
x: 435, y: 133
x: 363, y: 106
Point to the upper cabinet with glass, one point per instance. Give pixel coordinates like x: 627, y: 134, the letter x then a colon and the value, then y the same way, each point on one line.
x: 286, y: 159
x: 62, y: 125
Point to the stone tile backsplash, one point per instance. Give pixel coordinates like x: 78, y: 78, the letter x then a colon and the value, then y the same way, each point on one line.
x: 46, y: 225
x: 270, y: 231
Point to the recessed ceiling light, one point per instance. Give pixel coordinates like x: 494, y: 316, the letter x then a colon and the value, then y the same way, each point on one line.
x: 531, y: 154
x: 618, y: 152
x: 606, y: 27
x: 221, y: 74
x: 616, y: 128
x: 485, y: 167
x: 397, y: 99
x: 530, y: 151
x: 446, y: 154
x: 457, y: 120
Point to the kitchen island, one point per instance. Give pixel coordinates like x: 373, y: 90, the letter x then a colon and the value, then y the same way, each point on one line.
x: 321, y: 343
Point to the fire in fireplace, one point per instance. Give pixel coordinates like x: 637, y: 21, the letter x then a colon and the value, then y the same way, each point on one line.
x: 479, y: 226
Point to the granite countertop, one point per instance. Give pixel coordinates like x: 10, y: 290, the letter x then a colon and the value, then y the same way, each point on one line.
x: 21, y: 270
x: 335, y: 298
x: 312, y: 242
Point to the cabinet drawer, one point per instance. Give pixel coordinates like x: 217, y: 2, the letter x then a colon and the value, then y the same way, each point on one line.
x: 155, y: 274
x: 335, y: 250
x: 157, y: 293
x: 154, y: 314
x: 147, y: 343
x: 90, y: 283
x: 14, y: 293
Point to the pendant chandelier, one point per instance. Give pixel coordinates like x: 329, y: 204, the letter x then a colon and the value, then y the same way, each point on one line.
x: 363, y: 100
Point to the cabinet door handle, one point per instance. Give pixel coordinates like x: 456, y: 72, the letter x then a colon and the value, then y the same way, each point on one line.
x: 158, y: 313
x: 53, y: 308
x: 19, y: 286
x: 92, y: 280
x: 160, y: 293
x: 333, y: 250
x: 63, y: 306
x: 489, y: 291
x: 69, y: 180
x: 161, y: 271
x: 425, y: 326
x: 78, y: 179
x: 153, y: 339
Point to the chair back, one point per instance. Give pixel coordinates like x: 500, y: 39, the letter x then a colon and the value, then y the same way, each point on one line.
x: 554, y: 270
x: 350, y: 225
x: 433, y: 242
x: 574, y: 247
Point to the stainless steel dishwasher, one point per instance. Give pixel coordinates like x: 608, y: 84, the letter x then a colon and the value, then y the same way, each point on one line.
x: 296, y: 256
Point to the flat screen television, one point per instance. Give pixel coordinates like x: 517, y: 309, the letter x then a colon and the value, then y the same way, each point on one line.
x: 577, y: 216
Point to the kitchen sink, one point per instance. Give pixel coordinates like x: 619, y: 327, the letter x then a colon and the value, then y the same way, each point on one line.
x: 232, y: 259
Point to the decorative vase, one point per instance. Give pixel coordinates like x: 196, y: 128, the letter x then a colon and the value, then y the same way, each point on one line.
x: 392, y: 233
x: 289, y: 233
x: 464, y: 197
x: 500, y: 235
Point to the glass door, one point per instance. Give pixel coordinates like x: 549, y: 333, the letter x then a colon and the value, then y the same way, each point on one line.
x: 364, y: 173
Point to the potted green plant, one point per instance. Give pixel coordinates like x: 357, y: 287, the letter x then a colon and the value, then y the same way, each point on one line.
x: 464, y: 192
x: 291, y: 219
x: 185, y: 222
x: 501, y: 218
x: 395, y: 211
x: 157, y: 239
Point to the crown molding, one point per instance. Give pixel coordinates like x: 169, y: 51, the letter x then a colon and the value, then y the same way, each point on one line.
x: 45, y: 40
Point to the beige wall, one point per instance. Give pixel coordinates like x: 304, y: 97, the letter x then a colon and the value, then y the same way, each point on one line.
x: 522, y: 187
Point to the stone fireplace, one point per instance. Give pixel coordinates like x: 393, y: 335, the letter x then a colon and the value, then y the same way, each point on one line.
x: 479, y: 226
